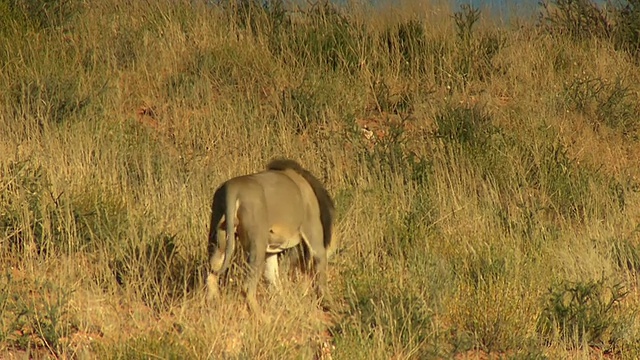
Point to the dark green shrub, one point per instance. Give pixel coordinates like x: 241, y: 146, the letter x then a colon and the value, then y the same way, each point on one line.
x: 34, y: 220
x: 154, y: 269
x: 305, y: 104
x: 482, y: 269
x: 37, y: 15
x: 326, y: 37
x: 48, y: 100
x: 405, y: 237
x: 193, y: 83
x: 387, y: 101
x: 578, y: 19
x: 406, y: 43
x: 465, y: 19
x: 25, y: 209
x: 583, y: 313
x: 475, y: 50
x: 603, y: 102
x: 378, y: 311
x: 625, y: 252
x: 582, y: 19
x: 391, y: 158
x: 626, y: 32
x: 34, y: 315
x: 564, y: 182
x: 165, y: 345
x: 470, y: 127
x: 257, y: 16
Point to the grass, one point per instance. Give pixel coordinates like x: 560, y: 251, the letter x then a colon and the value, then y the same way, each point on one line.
x: 485, y: 176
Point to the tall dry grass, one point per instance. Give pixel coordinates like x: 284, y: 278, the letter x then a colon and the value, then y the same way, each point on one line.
x: 486, y: 179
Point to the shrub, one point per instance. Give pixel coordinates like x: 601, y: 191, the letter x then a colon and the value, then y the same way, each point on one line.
x: 154, y: 269
x: 475, y: 50
x: 35, y: 221
x: 155, y: 344
x: 603, y: 102
x: 406, y: 43
x: 485, y: 317
x: 626, y: 33
x: 306, y: 104
x: 578, y: 19
x: 326, y: 38
x: 625, y: 253
x: 35, y: 315
x: 51, y: 100
x: 469, y: 127
x: 583, y: 313
x: 583, y: 19
x: 25, y: 202
x: 37, y: 15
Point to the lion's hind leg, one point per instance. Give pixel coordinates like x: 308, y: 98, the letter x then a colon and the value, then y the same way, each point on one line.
x: 319, y: 267
x: 257, y: 243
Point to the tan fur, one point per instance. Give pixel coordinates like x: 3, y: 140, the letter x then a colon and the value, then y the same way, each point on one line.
x: 270, y: 211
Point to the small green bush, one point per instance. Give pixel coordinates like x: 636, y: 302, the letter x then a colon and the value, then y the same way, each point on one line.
x: 37, y: 15
x: 578, y: 19
x: 626, y: 33
x: 155, y: 270
x: 390, y: 156
x: 387, y: 318
x: 34, y: 316
x: 603, y: 102
x: 406, y: 42
x: 504, y: 324
x: 405, y: 237
x: 49, y: 100
x: 35, y: 221
x: 306, y: 104
x: 392, y: 102
x: 626, y: 253
x: 328, y: 39
x: 565, y: 184
x: 470, y: 127
x: 141, y: 347
x: 582, y: 19
x: 583, y: 313
x: 475, y: 50
x: 26, y: 208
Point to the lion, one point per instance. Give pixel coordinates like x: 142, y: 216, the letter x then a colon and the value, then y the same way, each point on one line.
x: 269, y: 212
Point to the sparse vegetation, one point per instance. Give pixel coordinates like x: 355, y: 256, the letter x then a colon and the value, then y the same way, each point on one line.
x: 486, y: 177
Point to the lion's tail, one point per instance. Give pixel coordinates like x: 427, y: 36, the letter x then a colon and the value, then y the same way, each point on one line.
x: 230, y: 217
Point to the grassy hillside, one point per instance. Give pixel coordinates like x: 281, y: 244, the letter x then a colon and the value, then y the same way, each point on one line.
x: 486, y: 177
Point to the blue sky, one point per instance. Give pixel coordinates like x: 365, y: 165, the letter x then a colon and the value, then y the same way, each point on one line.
x: 501, y: 8
x: 506, y: 7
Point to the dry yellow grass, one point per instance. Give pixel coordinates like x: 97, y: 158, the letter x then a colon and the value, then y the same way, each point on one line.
x: 487, y: 178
